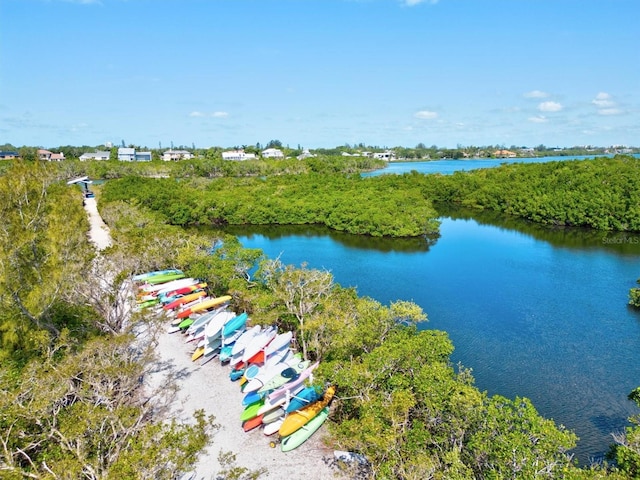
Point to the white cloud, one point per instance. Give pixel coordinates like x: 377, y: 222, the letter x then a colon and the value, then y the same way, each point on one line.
x: 603, y: 100
x: 411, y: 3
x: 85, y: 2
x: 425, y: 115
x: 550, y: 107
x: 538, y: 119
x: 610, y: 111
x: 217, y: 114
x: 536, y: 94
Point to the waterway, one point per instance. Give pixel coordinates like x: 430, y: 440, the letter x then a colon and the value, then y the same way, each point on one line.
x: 535, y: 311
x: 449, y: 166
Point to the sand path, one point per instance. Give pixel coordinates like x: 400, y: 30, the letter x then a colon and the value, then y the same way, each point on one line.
x: 208, y: 387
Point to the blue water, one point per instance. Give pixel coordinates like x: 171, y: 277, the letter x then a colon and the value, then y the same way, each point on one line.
x: 447, y: 167
x: 534, y: 312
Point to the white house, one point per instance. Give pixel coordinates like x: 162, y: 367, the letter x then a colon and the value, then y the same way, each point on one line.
x: 272, y: 153
x: 174, y: 155
x: 126, y: 154
x: 305, y: 154
x: 387, y: 155
x: 238, y: 155
x: 95, y: 156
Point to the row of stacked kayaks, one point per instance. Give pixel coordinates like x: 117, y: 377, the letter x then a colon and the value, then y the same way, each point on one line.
x: 275, y: 382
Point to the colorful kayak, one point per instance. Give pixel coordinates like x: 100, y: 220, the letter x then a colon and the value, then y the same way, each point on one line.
x: 204, y: 305
x: 171, y: 295
x: 257, y: 375
x: 278, y: 402
x: 183, y: 282
x: 214, y: 328
x: 236, y: 374
x: 197, y: 354
x: 273, y: 415
x: 234, y: 324
x: 245, y: 339
x: 157, y: 279
x: 301, y: 435
x: 252, y: 423
x: 298, y: 419
x: 201, y: 321
x: 190, y: 297
x: 273, y: 427
x: 251, y: 410
x: 258, y: 343
x: 304, y: 397
x: 294, y: 384
x: 144, y: 276
x: 286, y: 375
x: 251, y: 397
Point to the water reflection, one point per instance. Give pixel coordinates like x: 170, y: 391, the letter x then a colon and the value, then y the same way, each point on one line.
x: 360, y: 242
x: 565, y: 237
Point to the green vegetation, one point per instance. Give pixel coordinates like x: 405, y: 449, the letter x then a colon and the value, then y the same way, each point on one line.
x: 602, y: 193
x: 70, y: 399
x: 384, y: 206
x: 634, y: 296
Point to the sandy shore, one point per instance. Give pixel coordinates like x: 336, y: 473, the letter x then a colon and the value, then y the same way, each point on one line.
x: 208, y: 387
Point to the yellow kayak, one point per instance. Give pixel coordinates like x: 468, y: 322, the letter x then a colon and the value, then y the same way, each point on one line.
x: 298, y: 419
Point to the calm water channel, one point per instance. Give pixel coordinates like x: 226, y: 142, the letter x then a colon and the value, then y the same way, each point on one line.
x: 534, y: 311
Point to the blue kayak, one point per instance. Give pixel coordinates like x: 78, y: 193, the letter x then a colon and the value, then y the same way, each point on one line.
x: 303, y: 398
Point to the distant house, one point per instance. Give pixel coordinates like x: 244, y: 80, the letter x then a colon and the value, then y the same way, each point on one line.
x: 127, y: 154
x: 504, y: 154
x: 387, y: 155
x: 174, y: 155
x: 238, y: 155
x: 8, y: 155
x: 48, y: 156
x: 305, y: 154
x: 95, y: 156
x: 143, y: 156
x: 272, y: 153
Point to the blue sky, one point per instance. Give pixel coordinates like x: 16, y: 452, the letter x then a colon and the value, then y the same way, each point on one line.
x: 320, y: 73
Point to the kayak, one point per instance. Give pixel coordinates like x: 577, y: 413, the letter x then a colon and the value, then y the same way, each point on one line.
x: 304, y: 397
x: 204, y: 305
x: 251, y: 410
x: 157, y: 279
x: 284, y: 376
x: 258, y: 343
x: 296, y: 420
x: 185, y: 299
x: 301, y: 435
x: 292, y: 385
x: 278, y: 402
x: 234, y: 324
x: 273, y: 427
x: 143, y: 276
x: 171, y: 295
x: 183, y: 282
x: 244, y: 340
x: 252, y: 423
